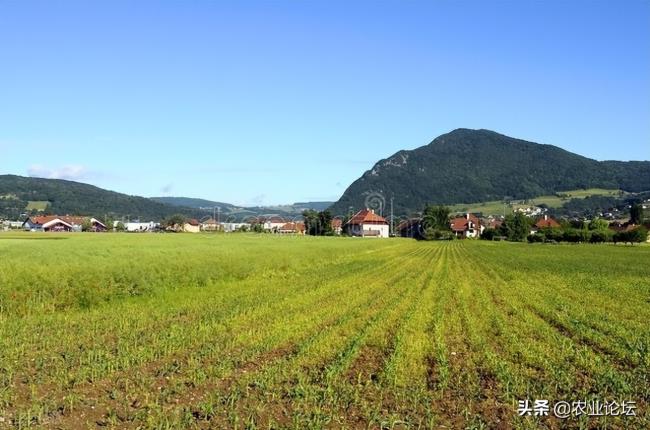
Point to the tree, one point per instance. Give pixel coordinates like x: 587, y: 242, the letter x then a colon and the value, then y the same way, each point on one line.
x: 119, y: 226
x: 436, y: 217
x: 599, y: 236
x: 598, y: 224
x: 174, y: 222
x: 488, y: 234
x: 636, y: 214
x: 318, y: 223
x: 515, y: 226
x: 86, y: 225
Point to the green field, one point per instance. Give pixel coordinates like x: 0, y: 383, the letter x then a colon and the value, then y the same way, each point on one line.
x: 498, y: 207
x: 172, y: 331
x: 37, y: 205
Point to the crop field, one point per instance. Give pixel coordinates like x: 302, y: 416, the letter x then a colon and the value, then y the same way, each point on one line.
x: 164, y: 331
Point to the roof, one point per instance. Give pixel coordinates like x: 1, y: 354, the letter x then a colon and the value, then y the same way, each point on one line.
x: 210, y: 221
x: 293, y: 226
x: 73, y: 220
x: 336, y: 223
x: 547, y: 222
x: 367, y: 216
x: 462, y: 223
x: 192, y: 221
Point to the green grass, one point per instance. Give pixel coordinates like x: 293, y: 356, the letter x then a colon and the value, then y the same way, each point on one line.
x: 259, y: 331
x: 34, y: 205
x: 497, y: 207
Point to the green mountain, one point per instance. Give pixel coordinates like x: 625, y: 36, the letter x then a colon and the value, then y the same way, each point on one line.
x: 190, y: 202
x: 228, y: 209
x: 467, y: 166
x: 20, y: 195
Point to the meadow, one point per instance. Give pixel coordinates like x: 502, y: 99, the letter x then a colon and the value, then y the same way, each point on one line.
x: 498, y: 207
x: 165, y: 331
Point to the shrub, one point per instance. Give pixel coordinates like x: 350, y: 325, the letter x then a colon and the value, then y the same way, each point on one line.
x: 599, y: 236
x: 536, y: 238
x: 488, y: 234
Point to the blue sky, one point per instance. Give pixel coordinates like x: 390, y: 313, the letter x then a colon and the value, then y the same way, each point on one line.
x: 282, y: 101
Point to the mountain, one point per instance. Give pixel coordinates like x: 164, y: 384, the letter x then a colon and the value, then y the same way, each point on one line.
x: 229, y: 209
x: 190, y: 202
x: 57, y: 196
x: 467, y: 166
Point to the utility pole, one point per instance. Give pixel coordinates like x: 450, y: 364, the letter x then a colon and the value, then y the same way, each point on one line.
x: 392, y: 226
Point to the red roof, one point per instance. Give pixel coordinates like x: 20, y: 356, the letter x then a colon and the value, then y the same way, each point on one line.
x: 366, y: 216
x: 336, y: 223
x: 293, y: 226
x: 462, y: 223
x: 193, y: 222
x: 547, y: 223
x: 42, y: 219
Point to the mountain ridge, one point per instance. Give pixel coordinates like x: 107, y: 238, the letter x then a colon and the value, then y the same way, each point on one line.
x: 467, y: 166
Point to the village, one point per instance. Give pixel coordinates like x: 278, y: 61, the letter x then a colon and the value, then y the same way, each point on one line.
x: 366, y: 223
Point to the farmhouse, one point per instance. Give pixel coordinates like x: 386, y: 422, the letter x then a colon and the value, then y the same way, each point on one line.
x: 467, y: 226
x: 544, y: 222
x: 138, y: 226
x: 229, y: 227
x: 337, y: 225
x: 366, y: 223
x: 192, y: 226
x: 273, y: 222
x: 411, y: 227
x: 61, y: 223
x: 292, y: 228
x: 210, y: 225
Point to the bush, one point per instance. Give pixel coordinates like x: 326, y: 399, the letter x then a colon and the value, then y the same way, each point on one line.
x: 488, y: 234
x: 536, y: 238
x: 599, y: 236
x: 638, y: 235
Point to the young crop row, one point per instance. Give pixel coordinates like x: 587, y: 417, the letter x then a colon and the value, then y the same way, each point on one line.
x: 259, y: 332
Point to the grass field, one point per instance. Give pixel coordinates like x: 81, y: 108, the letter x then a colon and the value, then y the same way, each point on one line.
x: 497, y: 207
x: 244, y: 331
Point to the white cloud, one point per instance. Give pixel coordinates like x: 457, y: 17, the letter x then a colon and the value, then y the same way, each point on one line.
x: 73, y: 172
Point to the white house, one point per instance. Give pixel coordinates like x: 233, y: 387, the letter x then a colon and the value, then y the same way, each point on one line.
x: 366, y: 223
x: 467, y: 226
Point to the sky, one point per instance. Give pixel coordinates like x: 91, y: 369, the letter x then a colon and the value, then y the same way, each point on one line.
x: 261, y: 103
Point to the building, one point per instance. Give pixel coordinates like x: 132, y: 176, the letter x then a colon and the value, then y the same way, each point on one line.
x: 366, y: 223
x: 292, y: 228
x: 62, y: 223
x: 337, y: 225
x: 411, y: 227
x: 544, y: 223
x: 230, y: 227
x: 210, y: 225
x: 138, y: 227
x: 467, y: 226
x: 273, y: 223
x: 192, y: 226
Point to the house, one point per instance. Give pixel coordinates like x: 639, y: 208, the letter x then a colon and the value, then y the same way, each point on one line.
x: 411, y: 227
x: 62, y: 223
x: 192, y: 226
x: 543, y: 223
x: 337, y: 226
x: 273, y: 222
x: 210, y: 225
x: 139, y: 227
x: 292, y: 228
x: 366, y: 223
x: 229, y: 227
x: 494, y: 223
x: 467, y: 226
